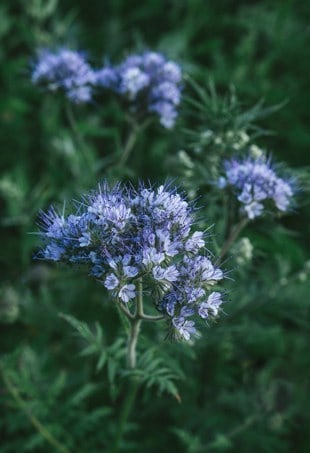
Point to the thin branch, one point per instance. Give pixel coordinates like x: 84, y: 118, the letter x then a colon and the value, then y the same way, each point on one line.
x: 126, y: 311
x: 136, y: 128
x: 145, y: 317
x: 130, y: 143
x: 234, y: 432
x: 135, y: 324
x: 231, y: 238
x: 135, y: 327
x: 132, y: 343
x: 139, y: 310
x: 78, y: 136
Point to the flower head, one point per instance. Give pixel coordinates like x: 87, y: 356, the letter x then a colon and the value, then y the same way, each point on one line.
x: 64, y: 70
x: 256, y: 183
x: 123, y: 235
x: 149, y: 82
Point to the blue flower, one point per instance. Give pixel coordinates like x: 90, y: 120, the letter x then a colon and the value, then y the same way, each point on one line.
x: 123, y: 235
x: 127, y: 292
x: 195, y: 242
x: 165, y: 275
x: 107, y: 77
x: 85, y: 239
x: 133, y: 81
x: 67, y: 71
x: 130, y: 271
x: 256, y: 183
x: 151, y: 257
x: 111, y: 281
x: 149, y: 82
x: 166, y: 112
x: 184, y: 328
x: 53, y: 252
x: 211, y: 306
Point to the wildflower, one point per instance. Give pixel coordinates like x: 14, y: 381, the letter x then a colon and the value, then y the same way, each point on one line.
x: 211, y: 306
x: 195, y: 242
x: 67, y: 71
x: 111, y: 281
x: 127, y: 292
x: 124, y: 235
x: 149, y: 82
x: 133, y: 81
x: 256, y: 183
x: 185, y: 329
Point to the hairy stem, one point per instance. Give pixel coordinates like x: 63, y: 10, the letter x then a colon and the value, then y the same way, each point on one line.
x: 135, y: 328
x: 234, y: 233
x: 34, y: 421
x: 136, y: 320
x: 132, y: 344
x: 139, y: 306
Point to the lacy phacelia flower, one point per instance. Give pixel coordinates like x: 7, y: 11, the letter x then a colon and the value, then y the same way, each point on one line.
x: 65, y: 70
x: 124, y: 235
x: 256, y: 183
x: 149, y: 82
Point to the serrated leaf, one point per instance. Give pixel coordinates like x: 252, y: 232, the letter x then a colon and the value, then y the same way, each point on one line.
x: 83, y: 393
x: 102, y: 360
x: 89, y: 350
x: 112, y: 366
x: 80, y: 326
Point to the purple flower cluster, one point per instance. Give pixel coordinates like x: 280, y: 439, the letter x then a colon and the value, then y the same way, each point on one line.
x: 124, y: 235
x: 149, y: 82
x: 256, y: 183
x: 67, y: 71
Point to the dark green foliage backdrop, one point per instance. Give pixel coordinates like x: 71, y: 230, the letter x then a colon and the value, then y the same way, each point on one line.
x: 243, y: 386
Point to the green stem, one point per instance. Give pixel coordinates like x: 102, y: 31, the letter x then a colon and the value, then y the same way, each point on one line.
x: 136, y: 128
x: 136, y: 320
x: 132, y: 344
x: 135, y: 328
x: 139, y: 306
x: 234, y: 233
x: 125, y: 310
x: 127, y: 406
x: 152, y: 318
x: 234, y: 433
x: 128, y: 147
x: 78, y: 137
x: 34, y: 421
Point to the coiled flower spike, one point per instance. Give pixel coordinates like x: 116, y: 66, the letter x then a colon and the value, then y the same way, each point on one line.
x: 256, y: 183
x: 67, y: 71
x: 149, y: 82
x: 125, y: 236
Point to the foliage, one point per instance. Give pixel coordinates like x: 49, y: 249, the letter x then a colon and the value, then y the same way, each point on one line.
x: 242, y: 385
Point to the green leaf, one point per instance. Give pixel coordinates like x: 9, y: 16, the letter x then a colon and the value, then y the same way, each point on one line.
x: 102, y: 360
x: 80, y: 326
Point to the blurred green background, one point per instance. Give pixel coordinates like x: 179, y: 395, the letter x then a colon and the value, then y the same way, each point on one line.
x: 244, y: 386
